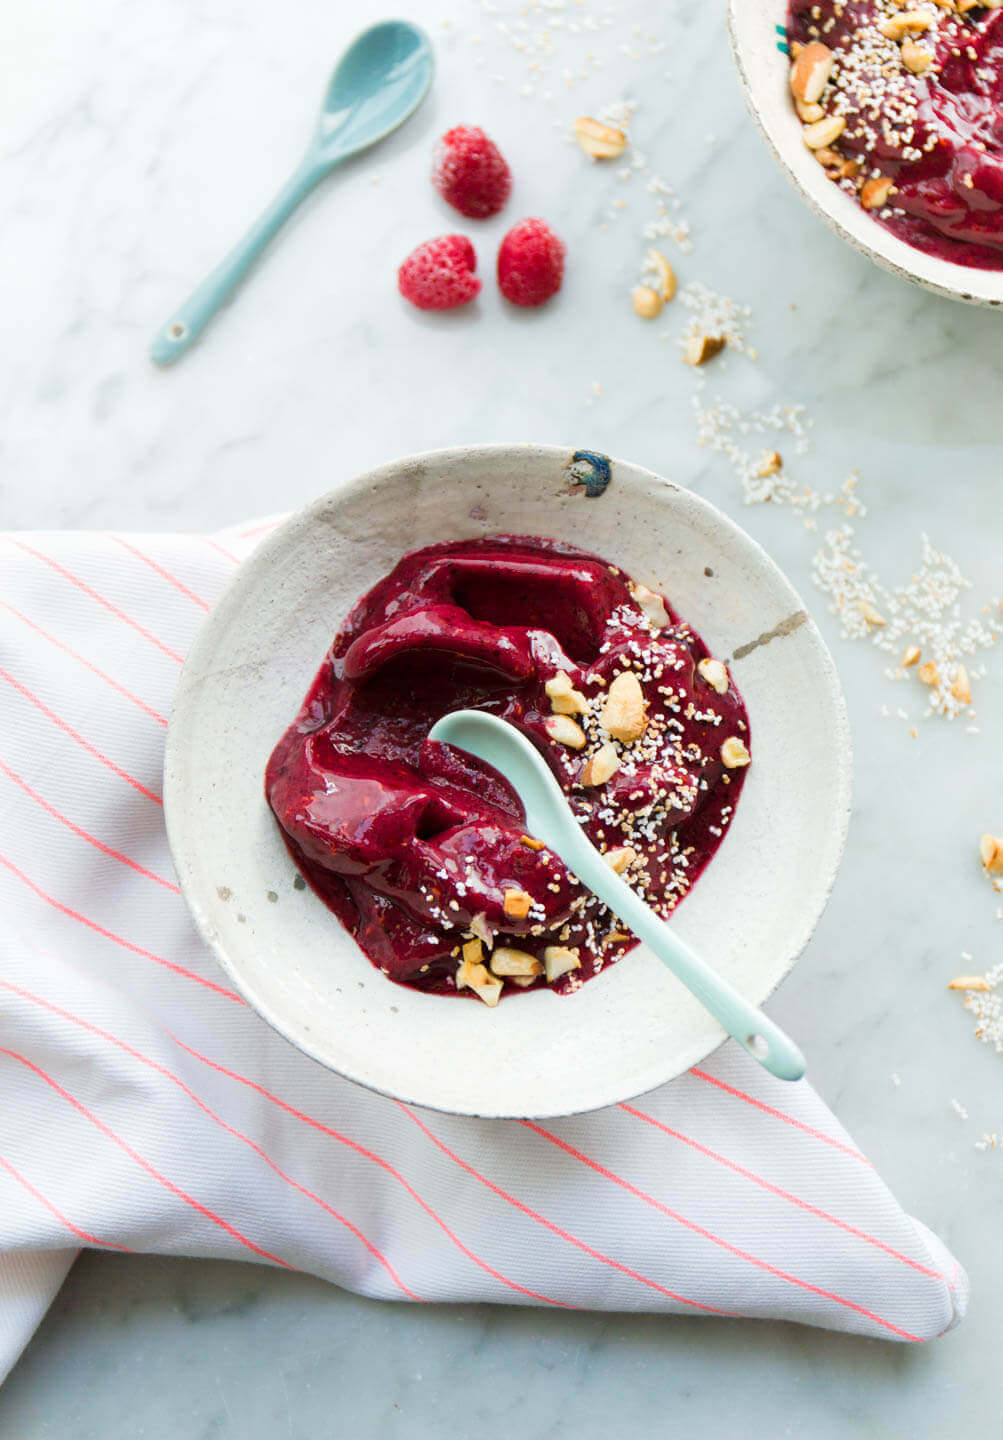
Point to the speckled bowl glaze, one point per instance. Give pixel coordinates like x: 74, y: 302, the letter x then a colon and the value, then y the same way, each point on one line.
x: 538, y: 1054
x: 757, y: 29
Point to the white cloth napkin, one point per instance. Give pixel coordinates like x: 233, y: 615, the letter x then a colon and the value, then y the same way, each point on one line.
x: 147, y: 1108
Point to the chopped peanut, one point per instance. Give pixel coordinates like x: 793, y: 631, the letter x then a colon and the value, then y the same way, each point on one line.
x: 601, y: 766
x: 565, y: 731
x: 991, y: 851
x: 625, y: 711
x: 558, y: 961
x: 734, y: 753
x: 507, y: 962
x: 715, y: 674
x: 620, y: 858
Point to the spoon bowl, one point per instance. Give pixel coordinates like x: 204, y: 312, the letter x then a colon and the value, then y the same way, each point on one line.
x: 378, y: 83
x: 550, y: 819
x: 380, y: 80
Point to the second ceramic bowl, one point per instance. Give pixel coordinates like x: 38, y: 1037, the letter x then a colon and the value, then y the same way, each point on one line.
x: 757, y: 29
x: 541, y: 1054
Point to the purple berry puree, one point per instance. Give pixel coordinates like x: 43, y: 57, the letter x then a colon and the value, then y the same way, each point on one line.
x: 922, y: 104
x: 417, y: 847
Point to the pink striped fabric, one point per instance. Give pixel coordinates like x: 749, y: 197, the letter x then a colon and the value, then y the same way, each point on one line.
x: 147, y: 1108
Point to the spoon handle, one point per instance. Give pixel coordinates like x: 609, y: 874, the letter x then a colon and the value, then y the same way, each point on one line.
x: 185, y: 326
x: 754, y: 1031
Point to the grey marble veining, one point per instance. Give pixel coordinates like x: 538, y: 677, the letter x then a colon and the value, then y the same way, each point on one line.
x: 137, y: 142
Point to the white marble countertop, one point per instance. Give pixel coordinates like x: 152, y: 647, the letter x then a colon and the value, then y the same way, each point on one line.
x: 137, y: 142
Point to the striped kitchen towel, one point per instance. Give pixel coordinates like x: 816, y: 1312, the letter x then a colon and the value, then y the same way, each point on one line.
x: 147, y: 1108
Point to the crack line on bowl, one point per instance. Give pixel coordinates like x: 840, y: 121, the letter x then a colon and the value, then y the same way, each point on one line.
x: 786, y: 627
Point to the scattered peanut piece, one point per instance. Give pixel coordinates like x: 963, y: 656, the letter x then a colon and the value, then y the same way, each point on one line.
x: 873, y: 617
x: 508, y: 961
x: 620, y: 858
x: 601, y: 766
x: 910, y: 656
x: 476, y: 978
x: 715, y: 674
x: 734, y: 753
x: 810, y: 72
x: 928, y: 674
x: 558, y: 960
x: 599, y: 141
x: 647, y: 302
x: 896, y: 27
x: 651, y: 604
x: 961, y: 686
x: 969, y: 982
x: 874, y: 192
x: 823, y: 132
x: 991, y: 853
x: 625, y: 711
x: 808, y: 113
x: 565, y: 731
x: 656, y: 261
x: 479, y: 926
x: 915, y: 59
x: 472, y: 953
x: 701, y: 348
x: 517, y: 903
x: 564, y: 698
x: 530, y: 842
x: 770, y: 463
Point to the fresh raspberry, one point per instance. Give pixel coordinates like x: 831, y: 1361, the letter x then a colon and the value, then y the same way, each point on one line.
x: 530, y: 263
x: 439, y: 275
x: 470, y: 173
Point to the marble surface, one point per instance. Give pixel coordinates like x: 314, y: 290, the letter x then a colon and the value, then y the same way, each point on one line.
x: 137, y: 141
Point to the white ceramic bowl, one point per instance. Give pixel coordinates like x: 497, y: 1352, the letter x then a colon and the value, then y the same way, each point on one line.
x: 540, y: 1054
x: 757, y: 29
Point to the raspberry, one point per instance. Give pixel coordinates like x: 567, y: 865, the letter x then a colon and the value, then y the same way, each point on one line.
x: 530, y: 263
x: 470, y: 173
x: 439, y: 275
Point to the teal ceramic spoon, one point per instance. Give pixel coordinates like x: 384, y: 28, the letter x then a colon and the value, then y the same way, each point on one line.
x: 380, y: 80
x: 549, y: 818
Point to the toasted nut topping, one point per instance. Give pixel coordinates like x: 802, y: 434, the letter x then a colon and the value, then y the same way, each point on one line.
x: 612, y: 936
x: 715, y: 674
x: 991, y: 851
x: 651, y: 604
x: 600, y: 141
x: 874, y: 192
x: 928, y: 674
x: 523, y: 981
x: 646, y: 302
x: 810, y: 72
x: 476, y: 978
x: 564, y: 698
x: 506, y: 961
x: 969, y: 982
x: 666, y: 275
x: 910, y: 656
x: 701, y: 348
x: 899, y: 25
x: 961, y: 686
x: 601, y: 766
x: 620, y: 858
x: 517, y: 903
x: 915, y: 58
x: 823, y: 132
x: 530, y: 842
x: 808, y: 113
x: 771, y: 462
x: 734, y: 754
x: 625, y: 710
x: 479, y: 926
x: 472, y: 953
x: 873, y: 617
x: 558, y: 961
x: 565, y: 731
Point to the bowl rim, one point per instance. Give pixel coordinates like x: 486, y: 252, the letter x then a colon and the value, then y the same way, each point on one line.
x: 187, y: 691
x: 836, y: 209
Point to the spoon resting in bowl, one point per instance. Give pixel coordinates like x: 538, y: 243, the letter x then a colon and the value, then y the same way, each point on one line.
x: 380, y: 81
x: 549, y: 818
